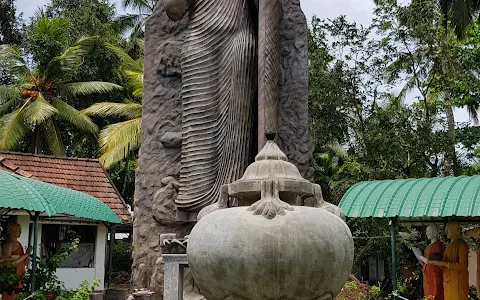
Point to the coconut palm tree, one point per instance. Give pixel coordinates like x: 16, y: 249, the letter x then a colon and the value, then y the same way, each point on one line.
x: 135, y: 22
x: 119, y: 140
x: 463, y: 13
x: 39, y: 98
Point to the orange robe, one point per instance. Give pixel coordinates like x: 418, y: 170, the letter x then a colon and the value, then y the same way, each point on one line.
x: 20, y: 271
x: 433, y: 275
x: 455, y: 276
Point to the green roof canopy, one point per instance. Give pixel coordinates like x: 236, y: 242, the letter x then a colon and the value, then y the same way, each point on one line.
x: 19, y: 192
x: 425, y: 199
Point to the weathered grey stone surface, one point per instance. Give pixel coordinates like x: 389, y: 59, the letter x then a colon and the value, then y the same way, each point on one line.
x: 303, y: 255
x: 219, y: 69
x: 174, y: 265
x: 159, y: 161
x: 269, y: 67
x: 293, y: 137
x: 271, y: 249
x: 178, y: 280
x: 116, y: 294
x: 159, y: 164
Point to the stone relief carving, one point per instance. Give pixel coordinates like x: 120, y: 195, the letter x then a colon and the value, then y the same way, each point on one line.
x: 160, y: 154
x: 218, y: 94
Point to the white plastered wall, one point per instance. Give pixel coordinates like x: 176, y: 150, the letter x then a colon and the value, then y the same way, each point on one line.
x: 73, y: 277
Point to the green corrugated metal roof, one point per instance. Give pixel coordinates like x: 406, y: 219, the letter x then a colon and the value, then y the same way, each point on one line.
x: 414, y: 198
x: 19, y: 192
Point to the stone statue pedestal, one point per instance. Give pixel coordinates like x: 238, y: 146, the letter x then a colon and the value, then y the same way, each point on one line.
x: 174, y: 266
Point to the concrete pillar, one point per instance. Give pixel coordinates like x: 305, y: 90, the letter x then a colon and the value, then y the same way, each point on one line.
x: 173, y: 270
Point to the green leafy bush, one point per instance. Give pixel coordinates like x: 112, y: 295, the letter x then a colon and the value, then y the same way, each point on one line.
x: 121, y: 262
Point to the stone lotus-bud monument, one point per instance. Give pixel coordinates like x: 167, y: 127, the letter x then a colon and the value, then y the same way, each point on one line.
x: 269, y: 246
x: 219, y: 74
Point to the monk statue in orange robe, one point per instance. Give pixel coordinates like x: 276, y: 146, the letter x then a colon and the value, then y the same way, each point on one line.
x: 432, y: 274
x: 454, y: 265
x: 13, y: 254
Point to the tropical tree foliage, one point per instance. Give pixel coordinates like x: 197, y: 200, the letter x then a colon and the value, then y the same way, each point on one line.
x: 426, y: 54
x: 39, y: 98
x: 10, y: 32
x: 135, y: 22
x: 462, y: 13
x: 119, y: 140
x: 90, y: 18
x: 381, y: 103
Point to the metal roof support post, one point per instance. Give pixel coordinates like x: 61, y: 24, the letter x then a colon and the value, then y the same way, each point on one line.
x: 35, y: 249
x: 110, y: 254
x: 393, y: 225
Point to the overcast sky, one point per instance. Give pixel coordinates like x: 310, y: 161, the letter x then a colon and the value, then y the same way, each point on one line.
x: 356, y: 10
x: 360, y: 11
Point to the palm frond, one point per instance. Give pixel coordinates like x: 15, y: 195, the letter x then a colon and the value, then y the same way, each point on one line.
x: 87, y: 41
x: 135, y: 82
x: 110, y: 158
x: 135, y: 77
x: 7, y: 93
x: 407, y: 87
x: 140, y: 5
x: 140, y: 43
x: 473, y: 111
x: 138, y: 93
x: 8, y: 106
x: 110, y: 109
x: 12, y: 129
x: 125, y: 23
x: 462, y: 15
x: 129, y: 63
x: 39, y: 111
x: 118, y: 140
x: 74, y: 117
x: 52, y: 138
x: 88, y: 88
x: 11, y: 58
x: 54, y: 28
x: 138, y: 28
x: 70, y: 58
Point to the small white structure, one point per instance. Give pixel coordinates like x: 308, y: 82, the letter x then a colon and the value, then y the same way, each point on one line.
x: 84, y: 175
x: 86, y: 264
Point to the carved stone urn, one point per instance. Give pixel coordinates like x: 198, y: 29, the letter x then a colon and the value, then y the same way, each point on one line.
x: 270, y: 246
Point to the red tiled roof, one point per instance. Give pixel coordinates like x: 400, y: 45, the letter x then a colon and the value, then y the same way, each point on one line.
x: 81, y: 174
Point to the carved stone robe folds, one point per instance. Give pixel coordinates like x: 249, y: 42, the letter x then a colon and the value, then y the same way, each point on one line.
x: 218, y: 94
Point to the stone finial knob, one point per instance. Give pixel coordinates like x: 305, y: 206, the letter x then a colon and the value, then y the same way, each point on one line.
x: 175, y: 9
x: 270, y: 136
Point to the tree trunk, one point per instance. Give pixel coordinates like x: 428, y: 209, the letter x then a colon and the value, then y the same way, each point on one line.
x: 450, y: 148
x: 36, y: 146
x: 125, y: 178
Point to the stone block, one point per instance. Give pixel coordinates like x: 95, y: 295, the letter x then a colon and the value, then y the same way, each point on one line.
x: 174, y: 265
x: 99, y: 296
x: 116, y: 294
